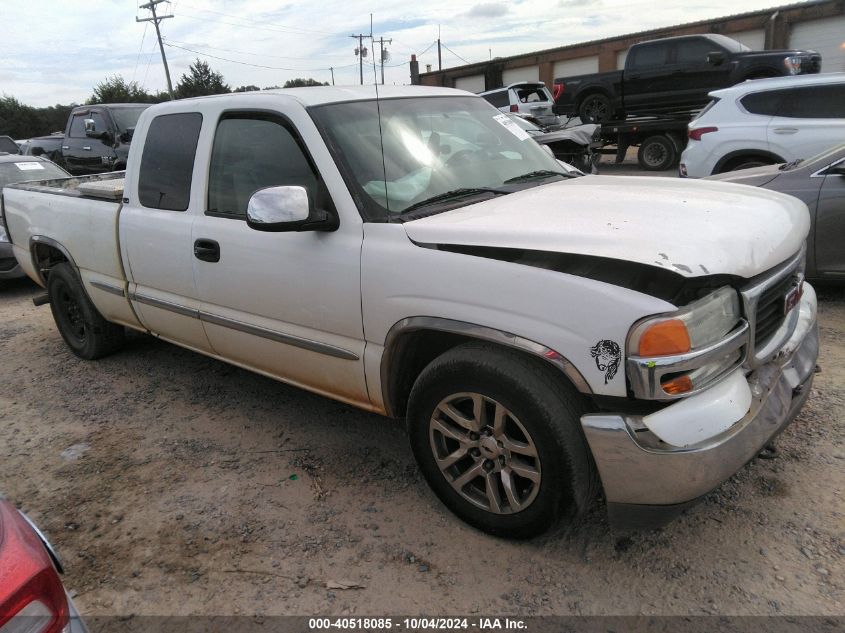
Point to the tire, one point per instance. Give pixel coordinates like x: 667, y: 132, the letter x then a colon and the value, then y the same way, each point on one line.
x: 595, y: 108
x: 657, y: 153
x: 539, y: 449
x: 85, y: 331
x: 748, y: 164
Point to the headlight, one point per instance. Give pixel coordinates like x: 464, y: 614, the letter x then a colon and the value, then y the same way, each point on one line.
x: 4, y: 237
x: 683, y: 352
x: 792, y: 65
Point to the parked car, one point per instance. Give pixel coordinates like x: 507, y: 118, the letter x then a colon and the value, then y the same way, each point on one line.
x: 573, y: 145
x: 50, y: 147
x: 97, y: 138
x: 539, y: 332
x: 16, y: 168
x: 673, y: 74
x: 8, y: 145
x: 530, y: 98
x: 766, y: 122
x: 819, y: 182
x: 32, y: 597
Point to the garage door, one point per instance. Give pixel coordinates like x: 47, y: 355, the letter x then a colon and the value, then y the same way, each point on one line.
x: 755, y: 39
x: 526, y: 73
x: 827, y: 36
x: 578, y: 66
x: 474, y: 83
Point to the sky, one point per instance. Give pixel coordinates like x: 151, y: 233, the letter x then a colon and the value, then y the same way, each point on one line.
x: 56, y: 51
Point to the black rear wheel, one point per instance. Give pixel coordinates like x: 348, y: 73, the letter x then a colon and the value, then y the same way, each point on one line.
x: 595, y: 108
x: 83, y: 328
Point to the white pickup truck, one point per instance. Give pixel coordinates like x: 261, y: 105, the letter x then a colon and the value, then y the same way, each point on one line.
x: 415, y: 254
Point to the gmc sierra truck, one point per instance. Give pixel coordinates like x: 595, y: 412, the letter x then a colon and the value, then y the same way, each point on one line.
x: 673, y: 75
x: 414, y: 253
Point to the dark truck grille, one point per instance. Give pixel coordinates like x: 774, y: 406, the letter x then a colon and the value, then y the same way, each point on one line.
x: 770, y: 308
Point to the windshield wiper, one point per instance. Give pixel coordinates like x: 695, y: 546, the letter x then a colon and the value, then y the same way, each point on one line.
x: 536, y: 175
x: 791, y: 164
x: 454, y: 194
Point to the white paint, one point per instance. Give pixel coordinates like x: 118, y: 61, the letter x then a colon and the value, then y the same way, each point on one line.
x: 28, y: 166
x: 577, y: 66
x: 525, y: 73
x: 755, y: 39
x: 690, y: 227
x: 506, y: 122
x: 474, y: 83
x: 827, y: 36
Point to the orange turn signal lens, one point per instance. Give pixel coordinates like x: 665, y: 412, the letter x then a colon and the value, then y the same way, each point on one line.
x: 681, y: 384
x: 664, y: 338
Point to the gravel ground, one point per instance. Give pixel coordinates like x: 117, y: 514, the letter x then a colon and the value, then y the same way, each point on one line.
x: 175, y: 484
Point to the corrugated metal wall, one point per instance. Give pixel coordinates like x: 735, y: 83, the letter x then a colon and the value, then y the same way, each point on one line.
x: 579, y: 66
x: 475, y: 83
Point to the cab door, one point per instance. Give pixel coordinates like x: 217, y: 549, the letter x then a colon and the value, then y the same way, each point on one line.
x: 830, y: 224
x: 155, y: 230
x: 287, y: 304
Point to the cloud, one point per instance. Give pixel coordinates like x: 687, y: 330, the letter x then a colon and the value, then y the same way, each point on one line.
x: 488, y: 10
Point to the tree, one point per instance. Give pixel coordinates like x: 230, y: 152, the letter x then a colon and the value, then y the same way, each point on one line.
x: 249, y: 88
x: 18, y: 120
x: 115, y: 90
x: 199, y: 81
x: 303, y: 83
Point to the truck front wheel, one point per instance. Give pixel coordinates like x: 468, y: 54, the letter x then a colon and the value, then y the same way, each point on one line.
x: 497, y: 436
x: 85, y: 331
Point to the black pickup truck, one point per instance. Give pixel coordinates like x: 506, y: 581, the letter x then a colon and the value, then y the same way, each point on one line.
x: 673, y: 75
x: 97, y: 137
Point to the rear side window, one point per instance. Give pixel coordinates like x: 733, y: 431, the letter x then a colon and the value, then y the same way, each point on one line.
x: 531, y: 95
x: 813, y: 102
x: 648, y: 55
x: 498, y: 99
x: 252, y: 152
x: 765, y: 103
x: 167, y: 163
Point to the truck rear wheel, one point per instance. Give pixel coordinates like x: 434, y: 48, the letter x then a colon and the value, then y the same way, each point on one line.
x: 85, y: 331
x: 595, y: 108
x: 498, y: 438
x: 657, y: 153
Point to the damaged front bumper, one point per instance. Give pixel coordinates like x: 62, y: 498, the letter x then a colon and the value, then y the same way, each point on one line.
x: 648, y: 482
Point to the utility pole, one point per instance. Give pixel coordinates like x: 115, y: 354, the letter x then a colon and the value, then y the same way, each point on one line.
x: 361, y: 52
x: 381, y: 42
x: 331, y: 68
x: 439, y: 58
x: 151, y: 5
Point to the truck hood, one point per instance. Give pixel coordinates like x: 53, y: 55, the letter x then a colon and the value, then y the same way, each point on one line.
x: 693, y: 228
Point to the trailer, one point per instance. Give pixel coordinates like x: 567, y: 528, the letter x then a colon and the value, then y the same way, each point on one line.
x: 661, y: 139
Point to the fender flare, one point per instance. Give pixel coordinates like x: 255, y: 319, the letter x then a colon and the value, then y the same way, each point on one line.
x: 745, y: 152
x: 473, y: 331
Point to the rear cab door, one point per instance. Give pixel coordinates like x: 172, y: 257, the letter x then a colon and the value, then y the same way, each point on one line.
x: 286, y: 304
x: 692, y: 75
x: 647, y: 83
x: 84, y: 154
x: 161, y: 199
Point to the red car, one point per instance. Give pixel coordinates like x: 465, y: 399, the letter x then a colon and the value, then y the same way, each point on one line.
x: 32, y: 597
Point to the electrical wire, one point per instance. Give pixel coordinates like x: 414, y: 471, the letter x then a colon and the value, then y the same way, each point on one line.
x: 230, y: 50
x: 237, y: 17
x: 454, y: 53
x: 285, y: 30
x: 234, y: 61
x: 140, y: 48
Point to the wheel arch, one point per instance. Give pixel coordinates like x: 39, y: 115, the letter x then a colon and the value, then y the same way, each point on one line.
x: 46, y: 253
x: 591, y: 89
x: 412, y: 343
x: 731, y: 157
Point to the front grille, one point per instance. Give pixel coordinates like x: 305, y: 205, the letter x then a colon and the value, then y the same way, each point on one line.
x: 770, y: 315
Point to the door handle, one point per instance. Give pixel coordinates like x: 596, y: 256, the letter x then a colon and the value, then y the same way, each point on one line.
x: 785, y: 130
x: 87, y: 147
x: 207, y: 250
x: 65, y: 146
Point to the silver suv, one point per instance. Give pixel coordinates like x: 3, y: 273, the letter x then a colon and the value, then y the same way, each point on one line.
x: 532, y: 98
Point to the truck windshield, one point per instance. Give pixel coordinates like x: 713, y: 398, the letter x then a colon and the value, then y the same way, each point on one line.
x: 430, y: 154
x: 126, y: 118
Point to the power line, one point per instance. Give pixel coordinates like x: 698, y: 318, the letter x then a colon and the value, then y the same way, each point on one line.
x: 259, y: 28
x: 140, y: 48
x: 234, y: 61
x: 280, y: 26
x: 230, y: 50
x: 455, y: 54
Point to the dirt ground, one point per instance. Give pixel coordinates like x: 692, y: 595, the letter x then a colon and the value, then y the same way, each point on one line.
x: 175, y: 484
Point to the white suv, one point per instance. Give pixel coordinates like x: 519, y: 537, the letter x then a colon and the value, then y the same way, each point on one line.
x: 531, y: 98
x: 766, y: 121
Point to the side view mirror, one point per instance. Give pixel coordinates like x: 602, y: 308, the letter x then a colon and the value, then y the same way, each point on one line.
x: 92, y: 132
x: 127, y: 134
x: 716, y: 58
x: 836, y: 170
x: 282, y: 209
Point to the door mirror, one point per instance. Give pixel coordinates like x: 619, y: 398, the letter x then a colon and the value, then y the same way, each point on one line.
x: 836, y: 170
x: 286, y: 209
x: 715, y: 58
x: 91, y: 130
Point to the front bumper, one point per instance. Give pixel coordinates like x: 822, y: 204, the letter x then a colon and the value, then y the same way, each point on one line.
x: 648, y: 482
x: 9, y: 267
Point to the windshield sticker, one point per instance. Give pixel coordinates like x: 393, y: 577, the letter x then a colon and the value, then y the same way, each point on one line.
x: 29, y: 166
x: 506, y: 122
x: 608, y: 356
